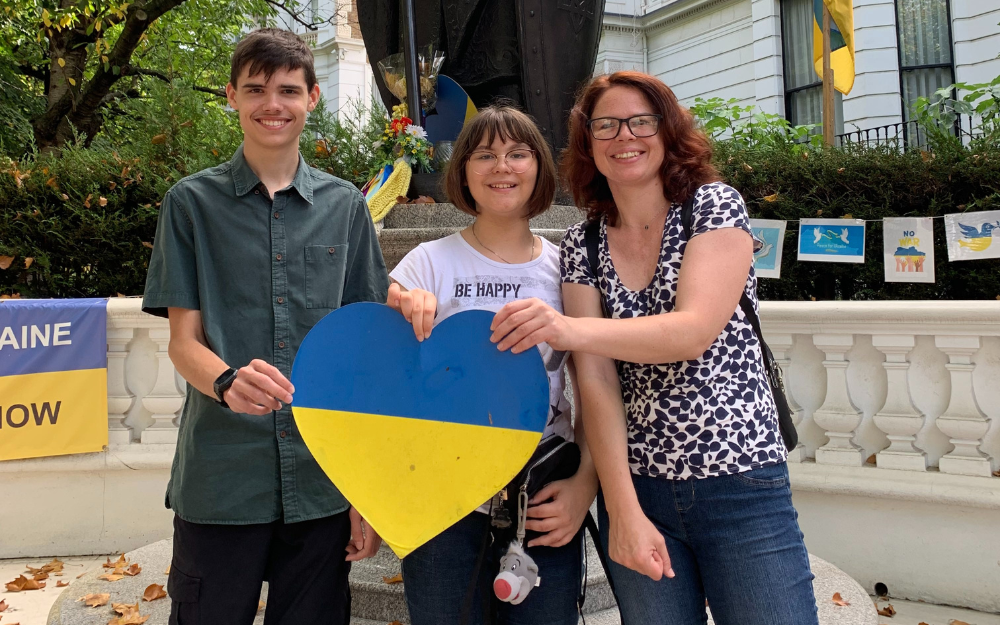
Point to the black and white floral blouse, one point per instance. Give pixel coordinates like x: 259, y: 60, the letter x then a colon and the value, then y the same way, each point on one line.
x: 698, y: 418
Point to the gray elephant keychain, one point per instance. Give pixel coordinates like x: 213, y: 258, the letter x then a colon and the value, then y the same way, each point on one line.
x: 518, y: 572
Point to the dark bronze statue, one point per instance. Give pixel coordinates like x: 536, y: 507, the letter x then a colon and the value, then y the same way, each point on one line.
x: 536, y: 53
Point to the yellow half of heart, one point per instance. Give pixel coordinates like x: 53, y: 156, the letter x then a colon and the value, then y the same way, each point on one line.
x: 411, y: 479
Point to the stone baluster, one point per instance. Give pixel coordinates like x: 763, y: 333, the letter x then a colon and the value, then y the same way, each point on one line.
x: 164, y: 399
x: 898, y: 418
x: 780, y: 344
x: 962, y: 422
x: 119, y: 397
x: 837, y: 415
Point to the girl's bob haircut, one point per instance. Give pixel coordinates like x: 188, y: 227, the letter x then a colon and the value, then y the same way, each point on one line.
x: 508, y: 123
x: 687, y: 151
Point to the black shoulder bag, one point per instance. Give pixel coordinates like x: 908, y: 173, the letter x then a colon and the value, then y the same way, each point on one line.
x: 592, y: 237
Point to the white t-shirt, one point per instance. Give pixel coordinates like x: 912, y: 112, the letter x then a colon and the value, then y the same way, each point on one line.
x: 463, y: 279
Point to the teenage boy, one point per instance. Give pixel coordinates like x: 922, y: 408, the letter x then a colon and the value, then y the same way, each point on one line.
x: 248, y: 256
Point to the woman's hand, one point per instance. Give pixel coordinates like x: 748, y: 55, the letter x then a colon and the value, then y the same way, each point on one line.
x: 635, y: 542
x: 522, y: 324
x: 561, y: 518
x: 417, y: 306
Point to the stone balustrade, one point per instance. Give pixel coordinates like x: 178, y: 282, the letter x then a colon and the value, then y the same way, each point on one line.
x: 916, y: 385
x: 911, y: 386
x: 897, y: 405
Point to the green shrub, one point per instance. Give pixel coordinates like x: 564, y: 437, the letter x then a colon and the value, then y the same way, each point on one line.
x: 871, y: 184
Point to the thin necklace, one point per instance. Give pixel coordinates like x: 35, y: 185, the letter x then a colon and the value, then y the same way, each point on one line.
x: 497, y: 255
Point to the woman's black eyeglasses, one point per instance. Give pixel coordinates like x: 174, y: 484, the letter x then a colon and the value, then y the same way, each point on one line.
x: 607, y: 128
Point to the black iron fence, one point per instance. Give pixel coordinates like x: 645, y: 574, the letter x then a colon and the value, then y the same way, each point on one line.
x: 903, y: 135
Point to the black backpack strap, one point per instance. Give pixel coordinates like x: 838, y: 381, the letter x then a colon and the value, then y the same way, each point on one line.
x: 591, y: 525
x: 470, y: 592
x: 687, y: 217
x: 592, y: 238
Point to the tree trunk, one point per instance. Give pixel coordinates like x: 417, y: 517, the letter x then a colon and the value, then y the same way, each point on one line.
x: 77, y: 107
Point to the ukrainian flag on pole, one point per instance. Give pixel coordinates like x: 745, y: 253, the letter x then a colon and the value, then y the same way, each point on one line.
x: 841, y: 42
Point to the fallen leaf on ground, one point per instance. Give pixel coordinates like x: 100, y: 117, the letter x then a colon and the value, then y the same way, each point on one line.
x: 23, y: 583
x: 955, y: 621
x: 153, y: 592
x: 120, y: 563
x: 839, y: 600
x: 56, y: 565
x: 424, y: 199
x: 133, y: 570
x: 771, y: 198
x: 147, y: 244
x: 3, y: 605
x: 395, y: 579
x: 129, y: 615
x: 61, y: 584
x: 260, y: 605
x: 113, y: 576
x: 41, y: 575
x: 5, y: 261
x: 887, y: 611
x: 997, y: 473
x: 103, y: 201
x: 167, y: 572
x: 81, y: 575
x: 96, y: 600
x: 871, y: 459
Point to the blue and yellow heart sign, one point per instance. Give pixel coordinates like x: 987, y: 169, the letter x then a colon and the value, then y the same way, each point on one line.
x: 416, y: 435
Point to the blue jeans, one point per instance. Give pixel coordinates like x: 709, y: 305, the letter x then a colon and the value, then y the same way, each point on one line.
x: 437, y: 575
x: 733, y: 540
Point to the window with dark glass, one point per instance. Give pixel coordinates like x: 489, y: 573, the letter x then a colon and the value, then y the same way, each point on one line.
x: 803, y: 86
x: 923, y: 28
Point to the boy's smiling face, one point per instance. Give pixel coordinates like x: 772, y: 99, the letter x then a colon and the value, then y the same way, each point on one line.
x: 273, y: 109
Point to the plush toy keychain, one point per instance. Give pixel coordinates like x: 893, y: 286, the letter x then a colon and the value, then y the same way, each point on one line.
x: 518, y: 572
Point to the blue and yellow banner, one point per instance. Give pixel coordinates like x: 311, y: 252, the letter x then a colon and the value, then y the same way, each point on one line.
x: 841, y: 42
x: 53, y: 377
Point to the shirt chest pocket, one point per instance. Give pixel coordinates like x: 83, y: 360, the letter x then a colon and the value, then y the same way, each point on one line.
x: 325, y: 269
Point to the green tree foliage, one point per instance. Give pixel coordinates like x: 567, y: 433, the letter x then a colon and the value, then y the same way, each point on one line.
x: 80, y: 64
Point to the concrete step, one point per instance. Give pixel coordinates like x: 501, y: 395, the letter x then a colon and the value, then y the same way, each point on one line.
x: 441, y: 214
x: 376, y: 603
x: 397, y: 242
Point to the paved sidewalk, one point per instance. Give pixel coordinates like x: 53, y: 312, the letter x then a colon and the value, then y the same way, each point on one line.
x: 32, y: 607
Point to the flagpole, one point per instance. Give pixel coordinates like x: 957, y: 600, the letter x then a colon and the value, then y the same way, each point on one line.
x: 410, y: 61
x: 829, y: 119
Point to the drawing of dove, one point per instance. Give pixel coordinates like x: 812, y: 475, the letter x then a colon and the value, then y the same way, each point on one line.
x: 843, y: 236
x: 977, y: 240
x: 818, y: 234
x: 764, y: 251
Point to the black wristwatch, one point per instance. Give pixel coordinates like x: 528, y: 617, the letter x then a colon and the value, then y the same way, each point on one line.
x: 222, y: 384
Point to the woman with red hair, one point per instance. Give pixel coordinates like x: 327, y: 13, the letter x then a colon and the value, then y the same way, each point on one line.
x: 695, y: 503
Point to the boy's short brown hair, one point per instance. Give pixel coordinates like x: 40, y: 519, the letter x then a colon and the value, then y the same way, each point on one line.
x: 506, y: 122
x: 267, y: 50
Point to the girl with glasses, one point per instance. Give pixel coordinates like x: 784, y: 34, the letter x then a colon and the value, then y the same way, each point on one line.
x: 695, y: 502
x: 501, y: 172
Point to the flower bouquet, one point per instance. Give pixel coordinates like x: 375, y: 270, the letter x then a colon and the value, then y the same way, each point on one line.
x: 402, y: 149
x: 402, y: 139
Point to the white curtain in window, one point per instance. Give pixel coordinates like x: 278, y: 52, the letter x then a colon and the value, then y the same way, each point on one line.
x: 923, y: 32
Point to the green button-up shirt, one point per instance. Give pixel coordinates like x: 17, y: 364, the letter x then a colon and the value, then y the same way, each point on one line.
x: 262, y: 273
